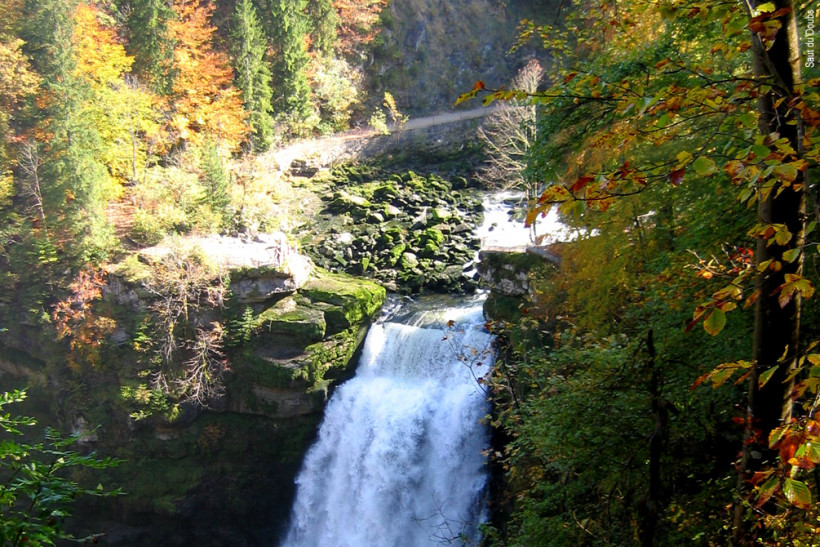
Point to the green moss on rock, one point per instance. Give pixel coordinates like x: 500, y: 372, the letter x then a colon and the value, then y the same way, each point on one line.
x: 354, y: 301
x: 503, y: 308
x: 291, y: 319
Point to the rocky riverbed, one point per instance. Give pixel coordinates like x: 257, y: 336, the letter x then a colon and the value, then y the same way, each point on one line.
x: 409, y: 231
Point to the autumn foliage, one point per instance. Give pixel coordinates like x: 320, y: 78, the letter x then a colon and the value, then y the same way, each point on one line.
x: 206, y: 106
x: 650, y: 105
x: 78, y: 322
x: 358, y: 23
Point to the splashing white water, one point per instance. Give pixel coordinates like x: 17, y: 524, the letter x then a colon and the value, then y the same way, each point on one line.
x: 503, y: 229
x: 398, y: 460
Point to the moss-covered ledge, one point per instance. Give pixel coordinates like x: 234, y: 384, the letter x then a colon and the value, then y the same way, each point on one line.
x: 301, y: 345
x: 349, y: 301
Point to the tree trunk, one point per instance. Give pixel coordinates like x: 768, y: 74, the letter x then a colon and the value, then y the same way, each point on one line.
x: 776, y: 329
x: 651, y: 510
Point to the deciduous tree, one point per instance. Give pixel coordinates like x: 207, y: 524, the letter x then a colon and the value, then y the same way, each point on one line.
x: 358, y: 24
x: 508, y: 133
x: 685, y: 104
x: 205, y: 104
x: 125, y: 113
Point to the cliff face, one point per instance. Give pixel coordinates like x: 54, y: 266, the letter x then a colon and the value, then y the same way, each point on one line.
x: 194, y: 476
x: 430, y: 51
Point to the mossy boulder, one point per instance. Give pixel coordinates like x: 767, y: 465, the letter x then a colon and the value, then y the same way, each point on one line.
x: 387, y: 191
x: 352, y: 300
x: 292, y: 320
x: 499, y: 307
x: 441, y: 214
x: 431, y: 235
x: 409, y: 261
x: 396, y: 254
x: 342, y: 201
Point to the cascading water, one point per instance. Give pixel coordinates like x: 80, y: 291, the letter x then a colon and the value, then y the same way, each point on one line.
x: 398, y: 460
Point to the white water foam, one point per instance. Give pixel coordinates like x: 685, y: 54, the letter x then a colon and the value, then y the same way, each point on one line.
x: 399, y: 457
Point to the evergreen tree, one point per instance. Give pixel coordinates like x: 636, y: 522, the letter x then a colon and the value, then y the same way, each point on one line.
x: 324, y: 18
x: 150, y: 43
x: 216, y: 181
x: 61, y: 174
x: 290, y: 27
x: 253, y: 77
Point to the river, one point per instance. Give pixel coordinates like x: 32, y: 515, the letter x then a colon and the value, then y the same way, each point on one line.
x: 400, y: 456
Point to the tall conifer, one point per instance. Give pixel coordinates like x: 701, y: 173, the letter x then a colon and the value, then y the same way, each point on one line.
x: 63, y: 145
x: 324, y: 19
x: 253, y: 77
x: 150, y: 43
x: 290, y: 28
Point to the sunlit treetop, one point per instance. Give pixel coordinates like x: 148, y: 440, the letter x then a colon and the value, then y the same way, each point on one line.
x: 101, y: 59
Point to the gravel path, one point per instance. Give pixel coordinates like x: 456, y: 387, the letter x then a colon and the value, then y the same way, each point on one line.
x: 284, y: 157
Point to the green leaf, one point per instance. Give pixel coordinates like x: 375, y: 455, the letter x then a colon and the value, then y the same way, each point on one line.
x: 785, y: 172
x: 748, y: 120
x: 763, y: 379
x: 715, y: 322
x: 704, y: 166
x: 797, y: 493
x: 791, y: 255
x: 761, y: 151
x: 783, y: 236
x: 720, y: 376
x: 812, y: 452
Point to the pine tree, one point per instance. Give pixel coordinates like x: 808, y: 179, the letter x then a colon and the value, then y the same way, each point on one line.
x: 63, y: 175
x: 253, y: 77
x: 150, y: 43
x: 290, y: 28
x: 324, y: 18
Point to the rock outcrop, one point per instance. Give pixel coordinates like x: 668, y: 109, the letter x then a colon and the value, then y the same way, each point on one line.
x: 506, y: 273
x: 193, y: 476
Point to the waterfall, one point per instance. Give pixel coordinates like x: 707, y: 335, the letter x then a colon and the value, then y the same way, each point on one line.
x: 399, y: 456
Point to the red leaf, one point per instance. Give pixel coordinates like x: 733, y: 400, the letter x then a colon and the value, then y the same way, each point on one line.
x: 569, y: 77
x: 676, y: 176
x: 478, y: 86
x: 700, y: 379
x: 580, y: 184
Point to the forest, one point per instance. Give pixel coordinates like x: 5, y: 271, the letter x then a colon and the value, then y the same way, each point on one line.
x: 657, y: 385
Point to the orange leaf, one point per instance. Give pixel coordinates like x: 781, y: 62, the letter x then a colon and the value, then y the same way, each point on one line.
x: 788, y: 446
x: 532, y: 214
